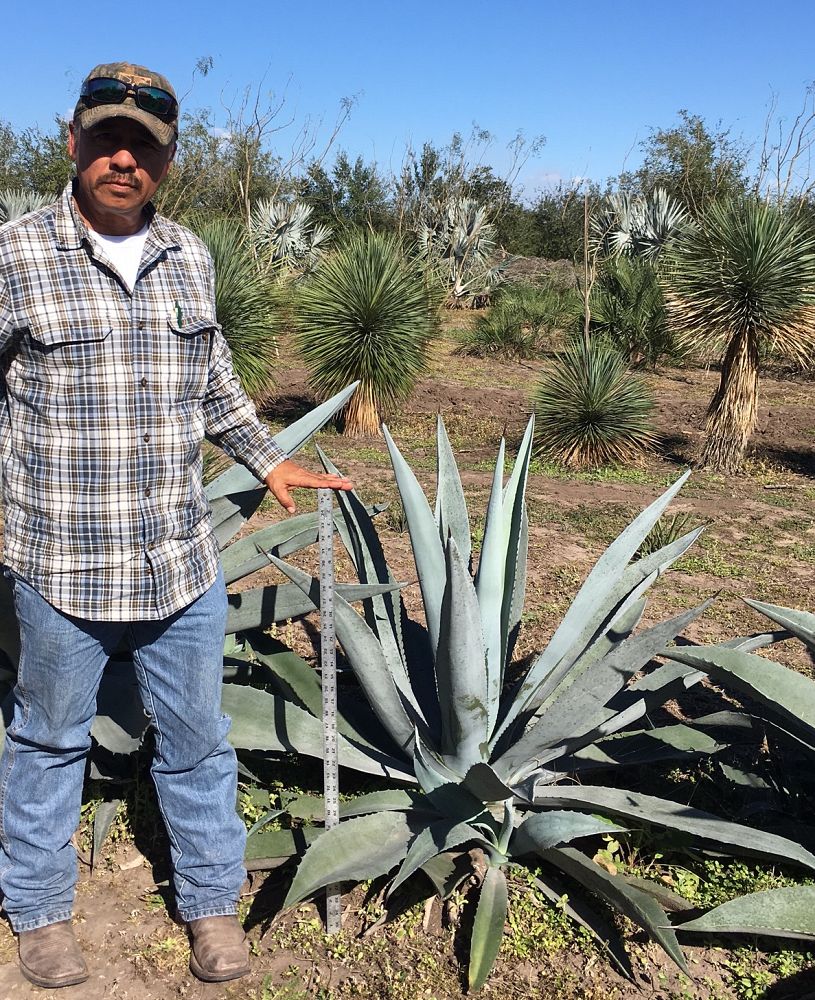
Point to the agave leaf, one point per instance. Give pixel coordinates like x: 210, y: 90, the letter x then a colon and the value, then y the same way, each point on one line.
x: 390, y: 800
x: 675, y: 816
x: 357, y: 849
x: 451, y: 507
x: 230, y: 513
x: 383, y: 613
x: 555, y: 827
x: 516, y: 531
x: 102, y: 822
x: 260, y: 606
x: 424, y: 537
x: 788, y: 912
x: 268, y: 848
x: 431, y: 773
x: 638, y: 906
x: 578, y: 711
x: 365, y: 655
x: 489, y: 587
x: 291, y: 439
x: 262, y: 721
x: 462, y: 679
x: 488, y: 927
x: 120, y: 720
x: 645, y: 746
x: 482, y: 782
x: 447, y: 871
x: 582, y: 913
x: 607, y: 574
x: 786, y: 694
x: 666, y: 898
x: 758, y: 640
x: 436, y: 838
x: 800, y: 623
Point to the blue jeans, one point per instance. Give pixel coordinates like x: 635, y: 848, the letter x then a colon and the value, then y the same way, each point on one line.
x: 179, y: 666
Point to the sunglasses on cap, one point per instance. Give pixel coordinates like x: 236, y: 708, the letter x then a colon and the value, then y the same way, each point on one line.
x: 153, y: 100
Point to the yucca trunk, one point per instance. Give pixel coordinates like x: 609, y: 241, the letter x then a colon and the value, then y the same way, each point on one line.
x: 731, y: 416
x: 361, y: 414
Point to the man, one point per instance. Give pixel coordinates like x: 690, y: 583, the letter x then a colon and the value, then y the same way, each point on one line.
x: 115, y: 371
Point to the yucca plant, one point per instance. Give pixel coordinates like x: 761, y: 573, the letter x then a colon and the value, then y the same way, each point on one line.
x: 17, y: 202
x: 591, y: 409
x: 483, y: 751
x: 739, y: 283
x: 246, y: 304
x: 366, y: 315
x: 783, y: 702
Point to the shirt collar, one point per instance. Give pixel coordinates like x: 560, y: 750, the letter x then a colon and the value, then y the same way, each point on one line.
x: 71, y: 231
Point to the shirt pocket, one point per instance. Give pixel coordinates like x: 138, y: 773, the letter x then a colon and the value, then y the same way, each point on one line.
x: 189, y: 346
x: 58, y: 349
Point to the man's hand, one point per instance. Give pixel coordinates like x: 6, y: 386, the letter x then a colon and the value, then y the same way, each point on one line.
x: 289, y: 474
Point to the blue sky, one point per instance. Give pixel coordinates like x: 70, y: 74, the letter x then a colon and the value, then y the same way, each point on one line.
x: 592, y: 77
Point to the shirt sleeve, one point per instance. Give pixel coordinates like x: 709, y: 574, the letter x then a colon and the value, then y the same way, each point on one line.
x: 6, y: 319
x: 230, y: 416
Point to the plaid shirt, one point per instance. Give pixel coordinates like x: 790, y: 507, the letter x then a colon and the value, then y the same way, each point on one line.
x: 108, y: 398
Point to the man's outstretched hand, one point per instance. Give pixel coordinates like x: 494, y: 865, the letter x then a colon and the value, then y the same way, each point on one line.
x: 288, y: 475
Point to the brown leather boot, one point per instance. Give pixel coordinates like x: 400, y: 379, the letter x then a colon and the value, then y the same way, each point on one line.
x: 218, y: 949
x: 50, y: 956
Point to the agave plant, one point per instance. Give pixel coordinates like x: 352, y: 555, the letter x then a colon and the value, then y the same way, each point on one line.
x: 367, y: 315
x: 245, y: 302
x: 483, y: 751
x: 285, y: 239
x: 591, y: 409
x: 17, y: 202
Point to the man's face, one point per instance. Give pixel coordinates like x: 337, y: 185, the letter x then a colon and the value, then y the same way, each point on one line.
x: 119, y: 166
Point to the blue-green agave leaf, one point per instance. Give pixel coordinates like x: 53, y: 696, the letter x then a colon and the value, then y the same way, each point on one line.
x: 460, y: 669
x: 788, y: 912
x: 266, y: 722
x: 367, y: 659
x: 595, y: 593
x: 635, y: 904
x: 633, y: 806
x: 102, y: 822
x: 482, y: 781
x: 291, y: 439
x: 489, y: 587
x: 543, y: 830
x: 516, y: 533
x: 357, y: 849
x: 800, y: 623
x: 431, y: 773
x: 270, y: 848
x: 644, y: 746
x: 451, y: 507
x: 436, y: 838
x: 786, y: 694
x: 488, y: 927
x: 424, y: 537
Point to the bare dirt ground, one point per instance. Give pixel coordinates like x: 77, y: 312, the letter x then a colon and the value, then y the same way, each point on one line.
x: 760, y: 543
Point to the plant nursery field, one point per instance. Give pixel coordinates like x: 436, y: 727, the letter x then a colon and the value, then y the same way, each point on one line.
x: 759, y: 543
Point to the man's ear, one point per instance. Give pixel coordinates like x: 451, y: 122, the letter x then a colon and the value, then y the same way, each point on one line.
x: 73, y: 139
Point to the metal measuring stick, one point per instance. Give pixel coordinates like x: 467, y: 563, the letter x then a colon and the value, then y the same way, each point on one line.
x: 328, y: 662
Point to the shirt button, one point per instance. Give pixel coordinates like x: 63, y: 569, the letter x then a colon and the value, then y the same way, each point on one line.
x: 147, y: 492
x: 142, y: 325
x: 144, y: 381
x: 146, y: 437
x: 151, y: 545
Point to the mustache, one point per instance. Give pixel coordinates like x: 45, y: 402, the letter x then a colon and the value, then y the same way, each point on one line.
x: 112, y: 177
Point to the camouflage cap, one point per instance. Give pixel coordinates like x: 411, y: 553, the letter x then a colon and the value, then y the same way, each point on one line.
x: 90, y: 111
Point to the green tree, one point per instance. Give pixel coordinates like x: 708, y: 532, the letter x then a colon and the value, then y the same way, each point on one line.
x: 740, y: 282
x: 350, y: 194
x: 692, y: 161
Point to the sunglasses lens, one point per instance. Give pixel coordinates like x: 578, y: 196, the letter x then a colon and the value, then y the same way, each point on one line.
x: 158, y: 102
x: 106, y: 91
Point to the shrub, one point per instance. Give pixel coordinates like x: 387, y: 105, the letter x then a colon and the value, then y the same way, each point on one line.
x: 366, y: 315
x: 517, y: 325
x: 591, y: 409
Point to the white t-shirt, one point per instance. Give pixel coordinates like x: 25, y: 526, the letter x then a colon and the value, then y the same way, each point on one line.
x: 124, y: 252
